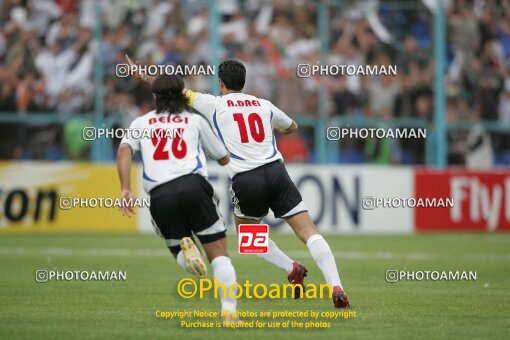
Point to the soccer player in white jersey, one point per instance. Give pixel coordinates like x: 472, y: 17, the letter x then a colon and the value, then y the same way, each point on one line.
x: 246, y: 125
x: 174, y: 174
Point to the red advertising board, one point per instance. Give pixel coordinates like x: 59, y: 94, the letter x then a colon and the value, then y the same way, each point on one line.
x: 481, y: 200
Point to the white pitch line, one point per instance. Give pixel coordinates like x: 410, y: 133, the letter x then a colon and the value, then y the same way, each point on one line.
x: 61, y: 251
x: 148, y: 252
x: 368, y: 256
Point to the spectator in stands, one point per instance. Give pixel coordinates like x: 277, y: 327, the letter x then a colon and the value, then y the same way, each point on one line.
x: 346, y: 102
x: 382, y: 94
x: 47, y: 59
x: 463, y: 30
x: 410, y: 55
x: 504, y: 104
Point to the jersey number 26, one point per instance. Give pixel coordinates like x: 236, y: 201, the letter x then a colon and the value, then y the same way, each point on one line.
x: 179, y: 147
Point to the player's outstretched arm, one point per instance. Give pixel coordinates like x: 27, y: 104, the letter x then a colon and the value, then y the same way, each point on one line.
x: 124, y: 160
x: 149, y: 79
x: 138, y: 75
x: 203, y: 103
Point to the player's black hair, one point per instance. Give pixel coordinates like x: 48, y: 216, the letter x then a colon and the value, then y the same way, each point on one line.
x: 169, y: 96
x: 233, y: 74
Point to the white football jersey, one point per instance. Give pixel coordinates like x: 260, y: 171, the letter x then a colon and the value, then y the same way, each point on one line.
x: 244, y: 124
x: 172, y: 145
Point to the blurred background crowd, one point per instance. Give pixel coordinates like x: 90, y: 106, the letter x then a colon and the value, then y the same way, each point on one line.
x: 48, y: 65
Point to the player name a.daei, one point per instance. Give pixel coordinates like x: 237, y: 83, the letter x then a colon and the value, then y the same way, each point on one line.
x: 243, y: 103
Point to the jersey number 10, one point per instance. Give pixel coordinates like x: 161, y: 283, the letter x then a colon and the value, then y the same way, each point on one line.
x: 255, y: 125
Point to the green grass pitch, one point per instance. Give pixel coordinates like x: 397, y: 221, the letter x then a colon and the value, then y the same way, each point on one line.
x: 126, y: 309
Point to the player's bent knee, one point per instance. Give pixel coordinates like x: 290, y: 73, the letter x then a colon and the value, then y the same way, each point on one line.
x: 302, y: 225
x: 210, y: 238
x: 245, y: 220
x: 215, y: 245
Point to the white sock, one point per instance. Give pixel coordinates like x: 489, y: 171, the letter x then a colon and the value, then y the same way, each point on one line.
x: 181, y: 261
x: 322, y: 255
x: 277, y: 257
x: 225, y: 274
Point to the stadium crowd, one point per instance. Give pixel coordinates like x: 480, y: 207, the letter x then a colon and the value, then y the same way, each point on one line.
x: 47, y: 64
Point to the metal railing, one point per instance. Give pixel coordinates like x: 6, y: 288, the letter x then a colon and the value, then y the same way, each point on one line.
x: 104, y: 146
